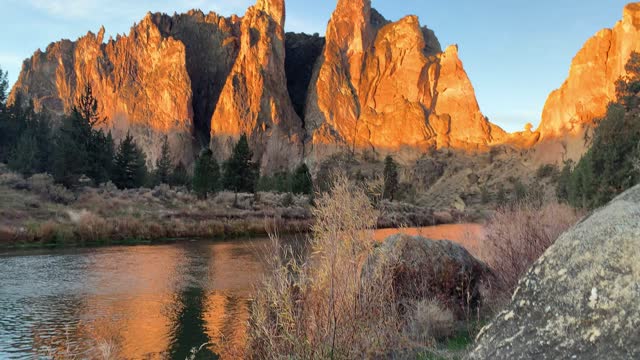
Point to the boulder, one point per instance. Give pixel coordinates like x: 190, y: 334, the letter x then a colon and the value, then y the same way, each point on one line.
x: 581, y: 299
x: 430, y: 269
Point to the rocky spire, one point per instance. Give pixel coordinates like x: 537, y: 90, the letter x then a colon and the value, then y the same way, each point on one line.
x: 275, y: 9
x: 388, y: 86
x: 254, y: 100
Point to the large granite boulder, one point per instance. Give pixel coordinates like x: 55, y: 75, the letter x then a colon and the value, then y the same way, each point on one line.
x: 429, y: 269
x: 581, y: 300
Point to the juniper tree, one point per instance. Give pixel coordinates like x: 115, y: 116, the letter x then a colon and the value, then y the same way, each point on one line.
x: 391, y: 180
x: 240, y: 172
x: 302, y: 182
x: 206, y: 176
x: 164, y: 164
x: 130, y: 168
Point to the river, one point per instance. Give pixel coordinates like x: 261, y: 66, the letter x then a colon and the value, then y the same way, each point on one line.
x: 140, y: 302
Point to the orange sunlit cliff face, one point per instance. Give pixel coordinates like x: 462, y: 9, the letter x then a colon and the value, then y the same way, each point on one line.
x: 377, y: 85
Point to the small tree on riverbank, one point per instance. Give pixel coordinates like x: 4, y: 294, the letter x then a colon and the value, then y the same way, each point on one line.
x: 240, y: 172
x: 206, y: 177
x: 391, y: 179
x: 162, y: 173
x: 130, y: 170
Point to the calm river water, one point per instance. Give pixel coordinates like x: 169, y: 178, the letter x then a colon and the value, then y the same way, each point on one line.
x: 139, y: 302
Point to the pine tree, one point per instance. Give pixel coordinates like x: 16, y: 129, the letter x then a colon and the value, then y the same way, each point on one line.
x: 93, y: 149
x: 70, y: 156
x: 164, y: 164
x: 4, y: 89
x: 391, y: 181
x: 180, y: 176
x: 302, y: 182
x: 240, y: 172
x: 130, y: 169
x: 564, y: 179
x: 206, y: 177
x: 101, y: 151
x: 25, y: 156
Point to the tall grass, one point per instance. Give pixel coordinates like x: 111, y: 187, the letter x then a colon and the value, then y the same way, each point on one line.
x: 517, y: 235
x: 322, y: 308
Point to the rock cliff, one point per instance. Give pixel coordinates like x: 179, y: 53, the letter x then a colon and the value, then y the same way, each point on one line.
x: 388, y: 87
x: 590, y: 87
x: 141, y: 81
x: 254, y: 100
x: 203, y: 80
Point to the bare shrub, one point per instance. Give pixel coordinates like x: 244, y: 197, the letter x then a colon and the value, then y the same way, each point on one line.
x: 429, y: 321
x: 321, y: 308
x: 12, y: 180
x: 44, y: 185
x: 92, y: 227
x: 516, y: 236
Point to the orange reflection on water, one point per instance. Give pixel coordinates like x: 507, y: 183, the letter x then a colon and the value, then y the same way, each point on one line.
x: 467, y: 235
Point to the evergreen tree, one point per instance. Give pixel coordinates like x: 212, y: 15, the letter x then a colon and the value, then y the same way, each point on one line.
x: 101, y: 152
x: 4, y: 88
x: 564, y: 179
x: 80, y: 148
x: 302, y: 182
x: 130, y: 169
x: 180, y: 176
x: 163, y: 164
x: 391, y: 180
x: 240, y: 172
x: 70, y: 156
x: 25, y: 156
x: 206, y: 177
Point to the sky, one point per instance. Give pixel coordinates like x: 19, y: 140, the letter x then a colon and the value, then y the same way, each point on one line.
x: 515, y: 52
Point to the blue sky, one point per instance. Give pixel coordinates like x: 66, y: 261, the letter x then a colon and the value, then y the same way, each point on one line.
x: 515, y: 51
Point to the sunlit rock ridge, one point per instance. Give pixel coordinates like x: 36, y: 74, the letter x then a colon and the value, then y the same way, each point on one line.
x: 388, y: 86
x: 203, y: 80
x: 370, y: 85
x: 590, y: 87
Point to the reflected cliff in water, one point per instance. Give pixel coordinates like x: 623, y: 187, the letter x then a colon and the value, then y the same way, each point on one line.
x: 143, y: 302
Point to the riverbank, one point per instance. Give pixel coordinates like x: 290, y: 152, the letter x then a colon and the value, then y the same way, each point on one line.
x: 36, y: 212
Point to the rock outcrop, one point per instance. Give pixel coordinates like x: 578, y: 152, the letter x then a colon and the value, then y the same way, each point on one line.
x: 212, y: 45
x: 203, y: 80
x: 590, y: 87
x: 302, y: 52
x: 388, y: 87
x: 255, y: 100
x: 580, y: 300
x: 141, y: 81
x: 429, y: 269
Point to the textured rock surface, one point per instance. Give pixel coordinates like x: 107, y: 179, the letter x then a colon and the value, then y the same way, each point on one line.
x: 580, y: 300
x: 389, y: 87
x: 212, y: 44
x: 302, y: 52
x: 590, y: 87
x: 141, y: 81
x: 427, y: 269
x: 254, y: 100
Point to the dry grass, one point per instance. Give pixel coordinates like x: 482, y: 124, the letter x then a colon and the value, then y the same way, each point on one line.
x: 35, y: 211
x: 429, y: 321
x: 321, y: 308
x: 516, y: 236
